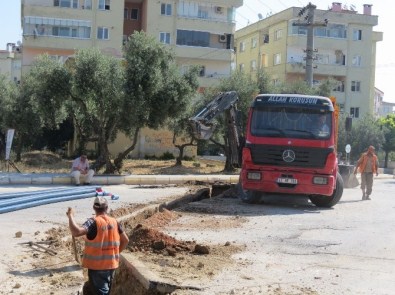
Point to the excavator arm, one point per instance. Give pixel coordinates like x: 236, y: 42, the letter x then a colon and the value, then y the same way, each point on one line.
x: 203, y: 123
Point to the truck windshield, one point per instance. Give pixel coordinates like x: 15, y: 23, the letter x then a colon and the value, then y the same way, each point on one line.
x: 291, y: 123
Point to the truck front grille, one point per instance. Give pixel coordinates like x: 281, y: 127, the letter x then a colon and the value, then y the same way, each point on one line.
x: 304, y: 156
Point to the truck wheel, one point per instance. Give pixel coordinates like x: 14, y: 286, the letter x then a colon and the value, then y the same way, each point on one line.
x: 250, y: 197
x: 324, y: 201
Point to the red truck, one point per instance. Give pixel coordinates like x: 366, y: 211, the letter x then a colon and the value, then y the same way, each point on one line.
x: 289, y: 148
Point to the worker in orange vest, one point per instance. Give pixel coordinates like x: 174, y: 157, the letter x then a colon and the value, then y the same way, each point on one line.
x: 104, y: 240
x: 368, y: 165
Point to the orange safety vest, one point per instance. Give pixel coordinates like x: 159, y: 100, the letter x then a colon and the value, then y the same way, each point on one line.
x: 102, y: 252
x: 364, y: 159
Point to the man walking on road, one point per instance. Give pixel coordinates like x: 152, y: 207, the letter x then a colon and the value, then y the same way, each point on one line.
x: 367, y: 164
x: 104, y: 240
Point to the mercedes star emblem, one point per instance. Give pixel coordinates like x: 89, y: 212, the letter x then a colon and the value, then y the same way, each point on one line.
x: 289, y: 156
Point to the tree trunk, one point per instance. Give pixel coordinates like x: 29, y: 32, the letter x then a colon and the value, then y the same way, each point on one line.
x: 386, y: 159
x: 18, y: 149
x: 118, y: 162
x: 103, y: 158
x: 181, y: 149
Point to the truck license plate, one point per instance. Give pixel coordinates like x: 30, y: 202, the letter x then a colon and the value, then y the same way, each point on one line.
x: 287, y: 180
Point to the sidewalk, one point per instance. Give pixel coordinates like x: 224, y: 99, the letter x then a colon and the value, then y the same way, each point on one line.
x: 66, y: 179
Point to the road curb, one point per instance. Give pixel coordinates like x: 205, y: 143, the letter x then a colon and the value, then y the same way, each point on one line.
x: 65, y: 179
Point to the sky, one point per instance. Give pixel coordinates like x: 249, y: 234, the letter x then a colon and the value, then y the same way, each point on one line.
x: 11, y: 32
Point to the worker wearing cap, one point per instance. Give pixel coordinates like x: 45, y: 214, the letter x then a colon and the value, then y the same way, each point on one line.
x: 104, y: 240
x: 368, y: 165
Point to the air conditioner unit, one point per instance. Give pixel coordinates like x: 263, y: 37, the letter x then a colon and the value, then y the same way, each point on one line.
x: 219, y: 9
x: 222, y: 38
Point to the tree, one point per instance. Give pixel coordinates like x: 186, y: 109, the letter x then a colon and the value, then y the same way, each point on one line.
x: 388, y: 127
x: 90, y: 90
x: 18, y: 113
x: 155, y: 90
x: 365, y: 132
x: 180, y: 125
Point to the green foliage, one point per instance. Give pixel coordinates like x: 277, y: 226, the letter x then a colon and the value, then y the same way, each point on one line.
x: 263, y: 81
x: 366, y: 131
x: 326, y: 87
x: 387, y: 125
x: 187, y: 158
x: 47, y: 86
x: 155, y: 88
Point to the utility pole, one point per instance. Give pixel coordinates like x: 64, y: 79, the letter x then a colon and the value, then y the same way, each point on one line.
x: 310, y: 24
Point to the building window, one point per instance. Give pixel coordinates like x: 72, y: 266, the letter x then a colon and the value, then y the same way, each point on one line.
x: 357, y: 35
x: 322, y: 58
x: 134, y: 14
x: 277, y: 59
x: 265, y: 38
x: 104, y: 5
x: 164, y: 37
x: 355, y: 86
x: 254, y: 42
x: 264, y: 61
x: 241, y: 67
x: 356, y: 61
x: 339, y: 87
x: 203, y: 12
x: 87, y: 4
x: 253, y: 65
x: 102, y: 33
x: 54, y: 27
x: 125, y: 13
x: 66, y: 3
x: 165, y: 9
x: 278, y: 34
x: 242, y: 46
x: 354, y: 112
x: 193, y: 38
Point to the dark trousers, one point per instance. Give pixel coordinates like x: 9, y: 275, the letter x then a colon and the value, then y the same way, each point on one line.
x: 367, y: 182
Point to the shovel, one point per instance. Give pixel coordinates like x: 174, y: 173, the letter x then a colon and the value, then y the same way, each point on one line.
x: 76, y: 256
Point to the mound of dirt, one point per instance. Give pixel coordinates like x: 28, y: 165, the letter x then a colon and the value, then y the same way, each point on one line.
x: 145, y: 239
x: 40, y: 158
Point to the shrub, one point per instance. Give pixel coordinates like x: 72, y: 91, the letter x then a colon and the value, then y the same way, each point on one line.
x: 167, y: 156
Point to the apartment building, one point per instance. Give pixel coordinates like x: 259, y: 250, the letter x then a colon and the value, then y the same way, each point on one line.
x: 11, y: 62
x: 381, y: 107
x: 344, y: 49
x: 200, y: 32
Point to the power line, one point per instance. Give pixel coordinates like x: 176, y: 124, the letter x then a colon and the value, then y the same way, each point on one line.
x: 264, y: 4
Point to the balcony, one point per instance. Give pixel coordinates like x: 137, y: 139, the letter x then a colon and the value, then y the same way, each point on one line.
x: 335, y: 70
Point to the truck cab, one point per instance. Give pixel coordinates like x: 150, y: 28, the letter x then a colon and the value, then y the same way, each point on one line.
x: 290, y: 148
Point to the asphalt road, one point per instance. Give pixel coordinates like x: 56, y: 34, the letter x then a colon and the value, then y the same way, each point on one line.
x: 293, y: 247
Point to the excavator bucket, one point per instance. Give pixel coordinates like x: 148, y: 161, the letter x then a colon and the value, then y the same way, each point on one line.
x: 201, y: 129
